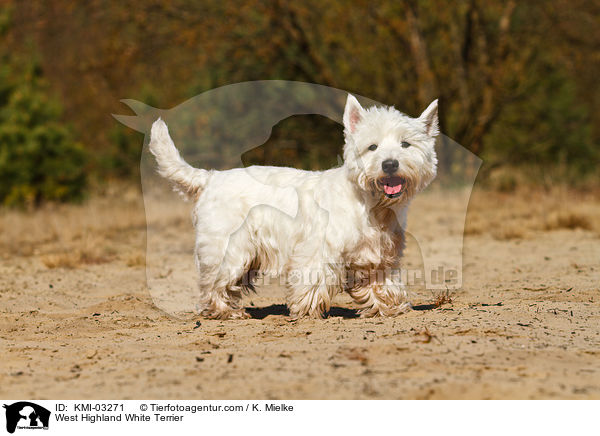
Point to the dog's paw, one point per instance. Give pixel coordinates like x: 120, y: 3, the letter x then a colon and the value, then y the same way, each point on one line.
x: 227, y: 314
x: 385, y: 311
x: 239, y: 314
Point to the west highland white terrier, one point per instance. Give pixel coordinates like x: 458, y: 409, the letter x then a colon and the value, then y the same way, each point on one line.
x: 348, y: 230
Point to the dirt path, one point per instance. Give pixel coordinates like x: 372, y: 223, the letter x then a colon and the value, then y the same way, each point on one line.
x: 76, y: 320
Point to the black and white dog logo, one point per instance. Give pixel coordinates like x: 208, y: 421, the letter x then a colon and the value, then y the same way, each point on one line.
x: 26, y: 415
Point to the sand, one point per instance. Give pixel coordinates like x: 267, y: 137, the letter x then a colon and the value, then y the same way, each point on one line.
x: 77, y: 321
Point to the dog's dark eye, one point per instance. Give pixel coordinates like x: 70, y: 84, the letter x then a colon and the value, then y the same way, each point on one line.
x: 373, y: 147
x: 405, y: 144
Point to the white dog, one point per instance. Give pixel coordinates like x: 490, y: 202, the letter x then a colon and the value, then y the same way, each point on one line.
x: 347, y: 231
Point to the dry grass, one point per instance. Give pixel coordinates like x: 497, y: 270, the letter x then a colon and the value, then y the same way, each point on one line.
x: 135, y: 259
x: 508, y: 232
x: 475, y: 226
x: 89, y: 251
x: 71, y: 231
x: 112, y: 226
x: 64, y: 260
x: 102, y: 230
x: 515, y: 215
x: 441, y: 298
x: 74, y: 260
x: 569, y: 220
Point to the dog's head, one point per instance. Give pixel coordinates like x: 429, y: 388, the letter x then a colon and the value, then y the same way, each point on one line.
x: 388, y: 154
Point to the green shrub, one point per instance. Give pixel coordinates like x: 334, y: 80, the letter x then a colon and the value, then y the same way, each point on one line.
x: 39, y: 160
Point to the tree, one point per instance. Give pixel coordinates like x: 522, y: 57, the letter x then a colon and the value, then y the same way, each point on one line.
x: 39, y: 160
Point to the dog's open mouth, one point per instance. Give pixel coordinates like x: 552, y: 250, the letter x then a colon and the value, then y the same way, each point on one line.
x: 392, y: 186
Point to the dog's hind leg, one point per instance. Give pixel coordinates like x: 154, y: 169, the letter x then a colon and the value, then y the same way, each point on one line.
x: 221, y: 304
x: 221, y: 273
x: 220, y: 298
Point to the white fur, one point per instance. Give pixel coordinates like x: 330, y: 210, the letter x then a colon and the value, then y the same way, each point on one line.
x: 313, y: 228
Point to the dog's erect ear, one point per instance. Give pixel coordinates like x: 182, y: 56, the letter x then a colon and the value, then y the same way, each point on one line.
x: 353, y: 113
x: 429, y: 117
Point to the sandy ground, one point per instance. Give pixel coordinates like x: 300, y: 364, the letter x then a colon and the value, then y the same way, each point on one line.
x: 77, y: 321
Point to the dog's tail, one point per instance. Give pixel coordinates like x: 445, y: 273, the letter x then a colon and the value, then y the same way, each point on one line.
x: 186, y: 179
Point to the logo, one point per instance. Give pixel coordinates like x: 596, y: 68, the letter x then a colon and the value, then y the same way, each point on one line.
x: 223, y: 127
x: 26, y: 415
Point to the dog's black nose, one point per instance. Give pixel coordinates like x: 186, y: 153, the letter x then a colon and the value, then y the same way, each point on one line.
x: 390, y: 166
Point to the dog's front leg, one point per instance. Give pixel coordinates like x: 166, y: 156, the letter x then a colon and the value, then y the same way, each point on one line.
x: 379, y: 295
x: 310, y: 294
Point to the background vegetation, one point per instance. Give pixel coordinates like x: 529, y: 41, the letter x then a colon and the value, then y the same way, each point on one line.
x: 516, y: 80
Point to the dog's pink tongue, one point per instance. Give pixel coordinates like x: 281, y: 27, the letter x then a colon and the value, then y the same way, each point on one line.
x: 391, y: 190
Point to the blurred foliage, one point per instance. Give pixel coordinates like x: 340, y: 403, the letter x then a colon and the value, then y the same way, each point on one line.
x: 554, y: 129
x: 39, y: 159
x: 516, y: 80
x: 303, y: 141
x: 122, y: 156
